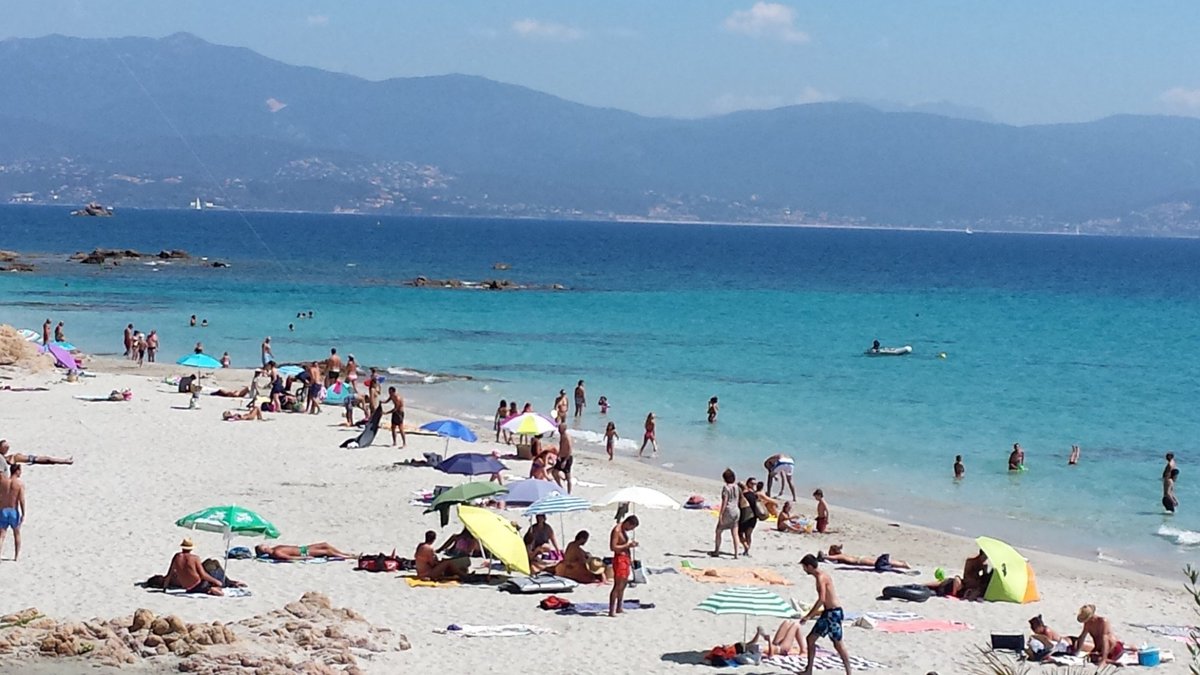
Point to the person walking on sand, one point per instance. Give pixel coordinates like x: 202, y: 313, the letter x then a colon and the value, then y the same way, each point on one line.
x: 829, y: 624
x: 959, y: 469
x: 397, y: 412
x: 566, y: 460
x: 822, y: 511
x: 712, y: 410
x: 621, y: 543
x: 729, y: 513
x: 314, y: 389
x: 610, y: 438
x: 648, y: 436
x: 129, y: 341
x: 1016, y: 459
x: 580, y: 399
x: 265, y: 350
x: 12, y: 508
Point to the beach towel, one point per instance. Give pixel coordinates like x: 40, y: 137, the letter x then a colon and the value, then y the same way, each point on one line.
x: 1129, y: 658
x: 1178, y: 633
x: 893, y: 615
x: 886, y: 570
x: 504, y: 630
x: 600, y: 608
x: 229, y: 593
x: 753, y: 576
x: 824, y: 660
x: 301, y: 561
x: 415, y: 582
x: 921, y: 626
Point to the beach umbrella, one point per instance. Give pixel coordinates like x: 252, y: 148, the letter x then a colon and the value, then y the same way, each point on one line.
x: 640, y: 496
x: 748, y: 601
x: 448, y: 429
x: 61, y: 355
x: 30, y: 336
x: 528, y: 424
x: 290, y: 370
x: 465, y: 493
x: 528, y: 491
x: 497, y: 536
x: 65, y: 345
x: 199, y: 361
x: 556, y: 502
x: 1012, y: 576
x: 471, y: 464
x: 229, y: 521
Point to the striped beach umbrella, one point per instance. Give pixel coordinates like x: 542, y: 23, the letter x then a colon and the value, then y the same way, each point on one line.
x: 557, y: 503
x: 528, y: 424
x: 747, y: 601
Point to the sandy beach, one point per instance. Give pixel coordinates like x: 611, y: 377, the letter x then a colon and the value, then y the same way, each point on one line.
x: 99, y: 526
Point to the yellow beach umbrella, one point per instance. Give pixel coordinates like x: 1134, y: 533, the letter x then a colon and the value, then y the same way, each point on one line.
x: 1012, y: 576
x: 497, y: 535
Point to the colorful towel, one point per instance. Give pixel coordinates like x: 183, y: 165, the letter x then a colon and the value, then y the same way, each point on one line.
x: 415, y: 582
x: 505, y: 630
x: 742, y: 576
x: 921, y: 626
x: 1129, y: 658
x: 301, y: 561
x: 824, y: 660
x: 599, y: 608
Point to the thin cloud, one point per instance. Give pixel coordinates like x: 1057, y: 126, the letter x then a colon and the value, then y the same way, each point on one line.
x: 769, y: 20
x: 1182, y: 99
x: 317, y: 20
x: 534, y: 29
x: 727, y: 103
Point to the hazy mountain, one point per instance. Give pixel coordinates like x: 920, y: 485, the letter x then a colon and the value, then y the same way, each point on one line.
x: 155, y: 122
x: 943, y: 108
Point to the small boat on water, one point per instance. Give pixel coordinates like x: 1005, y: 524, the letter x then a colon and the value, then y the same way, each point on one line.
x: 93, y: 209
x: 889, y: 351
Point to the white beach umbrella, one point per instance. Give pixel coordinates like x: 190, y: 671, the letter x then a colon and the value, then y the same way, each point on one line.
x: 640, y: 496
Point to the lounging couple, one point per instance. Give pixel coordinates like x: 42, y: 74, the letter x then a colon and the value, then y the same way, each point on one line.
x: 572, y: 563
x: 1096, y: 640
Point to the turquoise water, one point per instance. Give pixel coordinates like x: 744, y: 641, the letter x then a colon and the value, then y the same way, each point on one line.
x: 1049, y: 341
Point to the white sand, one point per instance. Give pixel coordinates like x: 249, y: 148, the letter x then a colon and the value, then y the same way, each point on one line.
x: 97, y: 527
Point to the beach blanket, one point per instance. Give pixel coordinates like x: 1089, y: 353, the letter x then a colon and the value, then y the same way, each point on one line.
x: 889, y: 570
x: 301, y: 561
x: 600, y: 608
x: 893, y: 615
x: 753, y: 576
x: 504, y: 630
x: 1129, y: 658
x: 921, y: 626
x: 415, y: 582
x: 1178, y: 633
x: 824, y: 660
x: 229, y: 593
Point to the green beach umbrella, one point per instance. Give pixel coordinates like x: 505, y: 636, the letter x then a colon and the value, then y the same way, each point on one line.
x: 465, y: 493
x: 229, y: 521
x: 747, y: 601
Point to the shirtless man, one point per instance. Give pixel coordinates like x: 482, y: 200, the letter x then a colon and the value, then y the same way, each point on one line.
x: 562, y: 468
x: 46, y: 332
x: 574, y: 564
x: 429, y: 568
x: 287, y: 553
x: 187, y: 573
x: 333, y: 367
x: 59, y: 334
x: 129, y: 341
x: 12, y: 508
x: 621, y: 544
x: 1016, y: 459
x: 314, y: 389
x: 373, y: 390
x: 397, y: 412
x: 18, y: 458
x: 975, y: 577
x: 1169, y: 502
x: 151, y: 345
x: 1106, y: 647
x: 580, y: 399
x: 822, y: 511
x: 829, y: 624
x: 780, y: 466
x: 265, y: 351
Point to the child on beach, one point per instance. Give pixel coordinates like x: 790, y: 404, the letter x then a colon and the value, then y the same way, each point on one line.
x: 610, y: 437
x: 822, y: 511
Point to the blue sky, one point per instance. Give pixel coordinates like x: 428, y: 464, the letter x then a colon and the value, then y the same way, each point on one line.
x: 1021, y: 61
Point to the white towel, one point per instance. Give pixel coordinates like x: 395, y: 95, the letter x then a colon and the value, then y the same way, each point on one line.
x: 505, y: 630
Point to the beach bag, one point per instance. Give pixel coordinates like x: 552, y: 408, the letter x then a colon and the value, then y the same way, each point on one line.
x: 554, y: 603
x: 378, y: 563
x: 1011, y: 642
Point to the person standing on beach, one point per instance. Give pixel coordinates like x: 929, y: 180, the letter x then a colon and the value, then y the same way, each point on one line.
x: 140, y: 348
x: 1016, y: 459
x: 313, y: 406
x: 498, y: 419
x: 12, y: 508
x: 129, y: 341
x: 621, y: 544
x: 829, y: 624
x: 352, y: 373
x: 265, y: 350
x: 60, y: 334
x: 333, y: 367
x: 397, y: 412
x: 712, y: 412
x: 959, y: 469
x: 822, y: 511
x: 373, y: 391
x: 580, y: 399
x: 46, y: 333
x: 151, y: 345
x: 729, y: 513
x: 610, y: 437
x: 648, y: 436
x: 566, y: 460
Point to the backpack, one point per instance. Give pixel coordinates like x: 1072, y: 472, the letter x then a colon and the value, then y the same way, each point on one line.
x: 554, y: 602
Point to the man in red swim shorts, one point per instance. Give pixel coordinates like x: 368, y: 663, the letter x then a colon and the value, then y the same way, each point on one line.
x: 622, y: 545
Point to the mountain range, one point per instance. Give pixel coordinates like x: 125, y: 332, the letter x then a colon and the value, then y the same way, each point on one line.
x: 159, y: 122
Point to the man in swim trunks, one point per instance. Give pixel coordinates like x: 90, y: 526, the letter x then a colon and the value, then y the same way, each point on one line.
x: 333, y: 367
x: 129, y: 341
x: 287, y: 553
x: 822, y: 511
x: 267, y: 356
x: 780, y: 466
x: 621, y: 544
x: 1016, y: 459
x: 1107, y: 648
x: 187, y: 573
x: 829, y: 624
x: 18, y: 458
x: 314, y: 389
x: 580, y: 399
x: 566, y: 460
x: 429, y: 568
x: 975, y: 577
x: 12, y: 508
x: 397, y: 411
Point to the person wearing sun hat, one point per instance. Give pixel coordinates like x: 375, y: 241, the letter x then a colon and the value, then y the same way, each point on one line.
x: 1108, y: 649
x: 187, y: 573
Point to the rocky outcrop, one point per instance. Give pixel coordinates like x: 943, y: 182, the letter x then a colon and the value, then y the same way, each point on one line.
x: 486, y: 284
x: 306, y: 636
x: 16, y: 267
x: 98, y: 256
x: 173, y: 254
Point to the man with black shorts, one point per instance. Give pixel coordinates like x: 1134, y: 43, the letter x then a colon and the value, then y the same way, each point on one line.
x: 397, y: 411
x: 566, y: 460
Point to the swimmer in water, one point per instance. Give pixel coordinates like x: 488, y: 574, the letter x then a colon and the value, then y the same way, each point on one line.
x: 875, y: 347
x: 1016, y: 459
x: 959, y: 469
x: 1073, y: 459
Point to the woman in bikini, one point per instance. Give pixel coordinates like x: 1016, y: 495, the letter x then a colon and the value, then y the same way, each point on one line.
x: 648, y: 437
x: 788, y: 640
x: 610, y: 437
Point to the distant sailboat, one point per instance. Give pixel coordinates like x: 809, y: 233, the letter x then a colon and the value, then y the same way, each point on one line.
x: 196, y: 204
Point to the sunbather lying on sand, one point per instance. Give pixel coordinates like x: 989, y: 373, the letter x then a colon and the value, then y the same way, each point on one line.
x: 18, y: 458
x: 253, y: 412
x: 1046, y: 642
x: 788, y: 640
x: 232, y: 393
x: 286, y: 553
x: 835, y: 555
x: 429, y: 568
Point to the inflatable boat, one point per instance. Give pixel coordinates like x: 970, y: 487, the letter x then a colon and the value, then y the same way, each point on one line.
x: 890, y: 351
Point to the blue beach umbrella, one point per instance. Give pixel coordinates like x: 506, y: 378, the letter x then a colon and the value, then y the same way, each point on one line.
x: 199, y: 361
x: 448, y: 429
x: 291, y: 370
x: 529, y: 491
x: 471, y: 464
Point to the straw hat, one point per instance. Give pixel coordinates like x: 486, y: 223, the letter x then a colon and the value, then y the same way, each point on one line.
x: 186, y: 544
x: 595, y: 565
x: 1086, y: 612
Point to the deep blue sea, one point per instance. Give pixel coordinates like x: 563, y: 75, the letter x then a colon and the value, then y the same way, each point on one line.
x: 1048, y: 341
